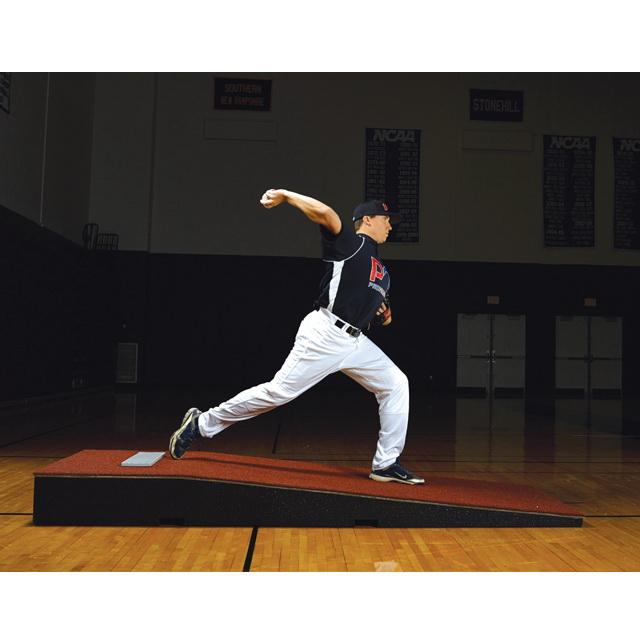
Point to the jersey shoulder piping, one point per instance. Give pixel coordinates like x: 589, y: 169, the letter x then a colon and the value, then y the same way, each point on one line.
x: 349, y: 258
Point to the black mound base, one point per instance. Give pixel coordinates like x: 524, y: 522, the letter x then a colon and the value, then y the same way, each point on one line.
x: 156, y: 501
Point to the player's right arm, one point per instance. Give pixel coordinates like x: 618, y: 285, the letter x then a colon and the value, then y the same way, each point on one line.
x: 315, y: 210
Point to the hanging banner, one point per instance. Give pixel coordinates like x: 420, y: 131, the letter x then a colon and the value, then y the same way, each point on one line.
x: 392, y: 174
x: 492, y: 104
x: 626, y: 199
x: 242, y: 94
x: 568, y: 191
x: 5, y: 92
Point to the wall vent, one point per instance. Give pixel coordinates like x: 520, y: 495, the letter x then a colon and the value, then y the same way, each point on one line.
x: 127, y: 367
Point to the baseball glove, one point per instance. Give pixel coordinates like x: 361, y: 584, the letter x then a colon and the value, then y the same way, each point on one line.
x: 383, y: 314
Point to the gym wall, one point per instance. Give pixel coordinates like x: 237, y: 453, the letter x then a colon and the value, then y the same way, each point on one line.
x: 58, y: 319
x: 164, y: 187
x: 60, y: 202
x: 58, y: 326
x: 130, y: 154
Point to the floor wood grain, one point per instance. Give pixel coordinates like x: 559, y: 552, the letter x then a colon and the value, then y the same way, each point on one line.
x: 582, y: 454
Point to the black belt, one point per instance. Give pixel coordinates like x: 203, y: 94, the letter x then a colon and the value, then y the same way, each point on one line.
x: 352, y: 331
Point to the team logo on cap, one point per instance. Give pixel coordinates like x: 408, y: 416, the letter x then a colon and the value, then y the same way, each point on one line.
x: 385, y: 206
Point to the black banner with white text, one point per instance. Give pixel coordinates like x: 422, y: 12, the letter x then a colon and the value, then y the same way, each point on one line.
x: 568, y: 191
x: 626, y: 206
x: 242, y: 94
x: 392, y: 174
x: 496, y: 105
x: 5, y: 92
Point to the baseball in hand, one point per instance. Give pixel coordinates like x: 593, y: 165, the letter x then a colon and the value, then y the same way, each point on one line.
x: 271, y: 198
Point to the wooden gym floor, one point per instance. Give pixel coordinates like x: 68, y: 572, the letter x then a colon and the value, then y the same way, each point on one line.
x: 579, y: 451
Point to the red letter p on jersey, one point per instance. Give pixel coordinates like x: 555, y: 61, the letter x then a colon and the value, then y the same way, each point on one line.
x: 377, y: 270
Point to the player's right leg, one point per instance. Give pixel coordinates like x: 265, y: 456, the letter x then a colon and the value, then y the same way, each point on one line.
x: 185, y: 434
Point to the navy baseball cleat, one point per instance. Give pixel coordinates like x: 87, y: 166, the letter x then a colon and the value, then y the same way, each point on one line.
x: 395, y: 473
x: 184, y: 436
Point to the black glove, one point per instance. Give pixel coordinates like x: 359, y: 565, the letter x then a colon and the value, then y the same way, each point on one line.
x: 383, y: 314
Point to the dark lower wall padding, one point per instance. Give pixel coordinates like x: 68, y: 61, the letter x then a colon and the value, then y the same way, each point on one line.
x: 212, y: 489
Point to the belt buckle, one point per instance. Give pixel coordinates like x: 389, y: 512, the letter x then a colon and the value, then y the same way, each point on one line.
x: 352, y: 331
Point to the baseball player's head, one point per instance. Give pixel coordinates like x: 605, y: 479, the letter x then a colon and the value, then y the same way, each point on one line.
x: 373, y: 218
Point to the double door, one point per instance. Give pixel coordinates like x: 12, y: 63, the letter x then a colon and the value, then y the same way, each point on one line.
x: 589, y: 355
x: 491, y: 354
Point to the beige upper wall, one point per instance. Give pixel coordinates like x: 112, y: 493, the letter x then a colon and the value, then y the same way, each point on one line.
x: 122, y: 156
x: 475, y: 205
x: 22, y: 144
x: 64, y: 101
x: 68, y: 164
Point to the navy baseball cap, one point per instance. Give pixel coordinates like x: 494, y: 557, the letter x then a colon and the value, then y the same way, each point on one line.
x: 375, y: 208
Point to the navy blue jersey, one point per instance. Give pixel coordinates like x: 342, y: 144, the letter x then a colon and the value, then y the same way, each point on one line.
x: 355, y: 282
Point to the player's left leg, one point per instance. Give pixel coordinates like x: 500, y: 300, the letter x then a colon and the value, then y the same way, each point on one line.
x: 375, y: 371
x: 318, y: 350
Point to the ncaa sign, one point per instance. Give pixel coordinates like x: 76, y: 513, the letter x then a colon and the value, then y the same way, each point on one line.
x: 570, y: 142
x: 394, y: 135
x: 628, y: 144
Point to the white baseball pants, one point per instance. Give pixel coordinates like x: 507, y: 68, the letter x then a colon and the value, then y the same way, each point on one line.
x: 320, y: 349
